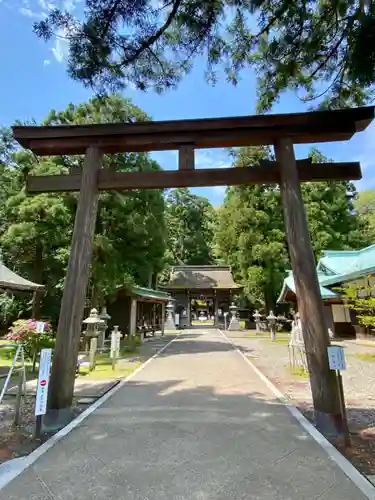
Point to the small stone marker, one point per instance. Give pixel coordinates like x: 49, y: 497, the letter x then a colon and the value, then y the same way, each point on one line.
x: 92, y: 354
x: 271, y: 318
x: 115, y: 345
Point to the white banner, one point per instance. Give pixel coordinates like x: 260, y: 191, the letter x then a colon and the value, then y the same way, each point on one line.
x: 43, y: 381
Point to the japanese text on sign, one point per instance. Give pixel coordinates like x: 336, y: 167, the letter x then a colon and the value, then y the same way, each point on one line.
x: 43, y: 382
x: 336, y: 358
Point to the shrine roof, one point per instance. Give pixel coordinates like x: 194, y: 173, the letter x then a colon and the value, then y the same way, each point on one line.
x: 201, y: 277
x: 336, y: 267
x: 150, y: 294
x: 9, y: 280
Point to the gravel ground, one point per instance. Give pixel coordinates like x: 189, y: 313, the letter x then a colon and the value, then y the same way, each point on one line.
x: 20, y: 441
x: 359, y: 382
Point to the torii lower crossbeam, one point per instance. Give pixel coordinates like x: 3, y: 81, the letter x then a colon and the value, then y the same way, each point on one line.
x: 108, y: 180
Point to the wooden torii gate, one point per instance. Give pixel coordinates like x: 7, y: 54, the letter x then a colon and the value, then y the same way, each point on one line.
x: 282, y: 131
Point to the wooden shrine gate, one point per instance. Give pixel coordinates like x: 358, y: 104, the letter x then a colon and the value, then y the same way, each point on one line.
x: 281, y: 131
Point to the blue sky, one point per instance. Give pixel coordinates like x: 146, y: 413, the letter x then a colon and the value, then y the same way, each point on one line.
x: 33, y: 81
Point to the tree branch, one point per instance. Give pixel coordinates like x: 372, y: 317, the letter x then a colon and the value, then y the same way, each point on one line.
x: 146, y: 44
x: 329, y: 55
x: 110, y: 17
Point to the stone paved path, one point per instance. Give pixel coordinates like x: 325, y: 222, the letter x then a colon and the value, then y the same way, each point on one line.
x: 197, y: 423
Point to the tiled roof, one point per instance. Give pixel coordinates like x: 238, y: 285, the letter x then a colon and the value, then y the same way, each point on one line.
x: 289, y: 285
x: 12, y: 281
x: 335, y: 267
x: 347, y: 261
x: 203, y: 277
x: 150, y: 294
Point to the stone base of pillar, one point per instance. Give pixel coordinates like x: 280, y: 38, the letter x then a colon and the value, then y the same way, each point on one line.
x: 169, y: 324
x: 234, y: 325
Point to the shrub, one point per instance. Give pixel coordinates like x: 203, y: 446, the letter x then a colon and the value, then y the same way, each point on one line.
x: 23, y: 331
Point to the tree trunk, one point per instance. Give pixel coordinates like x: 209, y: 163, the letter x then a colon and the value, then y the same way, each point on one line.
x: 73, y: 300
x: 269, y: 300
x: 95, y: 297
x: 150, y: 275
x: 310, y: 304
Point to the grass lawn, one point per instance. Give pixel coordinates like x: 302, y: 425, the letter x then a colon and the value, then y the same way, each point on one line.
x: 103, y: 369
x: 366, y: 356
x: 282, y: 341
x: 281, y: 338
x: 297, y: 372
x: 254, y: 335
x: 203, y: 323
x: 6, y: 358
x: 6, y: 354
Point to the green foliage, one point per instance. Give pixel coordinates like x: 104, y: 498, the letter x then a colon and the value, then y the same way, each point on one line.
x: 326, y: 48
x: 129, y: 241
x: 365, y: 207
x: 250, y: 233
x: 35, y: 231
x: 189, y: 220
x: 333, y: 223
x: 359, y: 297
x: 10, y: 308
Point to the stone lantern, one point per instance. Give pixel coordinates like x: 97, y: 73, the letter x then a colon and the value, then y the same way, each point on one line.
x: 170, y: 321
x: 105, y: 317
x: 234, y: 324
x: 94, y: 325
x: 271, y: 318
x: 257, y: 317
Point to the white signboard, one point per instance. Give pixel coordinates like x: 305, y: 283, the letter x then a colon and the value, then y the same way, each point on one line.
x: 177, y: 319
x: 336, y: 358
x: 43, y: 381
x: 39, y: 326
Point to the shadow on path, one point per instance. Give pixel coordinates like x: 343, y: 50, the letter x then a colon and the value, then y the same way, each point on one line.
x: 187, y: 427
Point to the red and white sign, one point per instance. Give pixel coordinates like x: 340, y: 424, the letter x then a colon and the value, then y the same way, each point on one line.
x: 43, y: 381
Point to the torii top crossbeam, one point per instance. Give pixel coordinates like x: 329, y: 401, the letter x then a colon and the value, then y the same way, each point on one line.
x: 316, y: 126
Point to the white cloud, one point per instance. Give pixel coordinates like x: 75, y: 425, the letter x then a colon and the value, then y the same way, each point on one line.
x: 25, y: 11
x: 47, y: 5
x: 61, y: 48
x: 47, y: 62
x: 58, y: 51
x: 361, y: 148
x: 220, y: 189
x: 69, y: 5
x: 212, y: 158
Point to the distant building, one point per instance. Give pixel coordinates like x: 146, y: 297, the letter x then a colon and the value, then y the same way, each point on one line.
x: 336, y: 268
x: 212, y: 283
x: 137, y: 310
